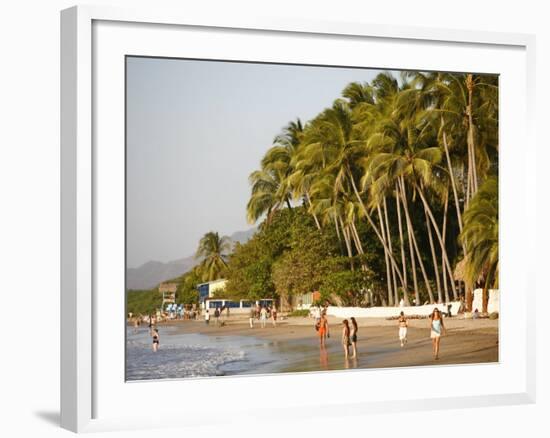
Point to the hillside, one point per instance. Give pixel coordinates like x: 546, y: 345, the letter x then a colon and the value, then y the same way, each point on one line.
x: 152, y: 273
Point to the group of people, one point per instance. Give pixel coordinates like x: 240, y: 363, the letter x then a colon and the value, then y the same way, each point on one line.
x: 350, y: 330
x: 262, y: 314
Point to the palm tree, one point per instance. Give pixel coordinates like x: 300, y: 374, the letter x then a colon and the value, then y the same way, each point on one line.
x: 214, y: 250
x: 271, y: 188
x: 480, y: 236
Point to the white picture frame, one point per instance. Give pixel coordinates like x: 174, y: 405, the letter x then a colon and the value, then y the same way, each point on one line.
x: 83, y: 376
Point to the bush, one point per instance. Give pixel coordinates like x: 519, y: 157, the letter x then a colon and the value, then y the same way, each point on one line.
x: 299, y: 313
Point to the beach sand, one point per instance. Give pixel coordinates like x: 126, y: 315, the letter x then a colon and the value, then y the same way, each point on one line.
x: 296, y: 342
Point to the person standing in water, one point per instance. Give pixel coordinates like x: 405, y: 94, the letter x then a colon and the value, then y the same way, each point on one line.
x: 345, y: 337
x: 437, y: 329
x: 263, y: 316
x: 251, y: 317
x: 403, y: 324
x: 353, y: 337
x: 156, y: 340
x: 323, y: 329
x: 274, y: 316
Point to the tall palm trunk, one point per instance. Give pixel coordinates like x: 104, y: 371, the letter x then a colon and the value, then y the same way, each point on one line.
x: 451, y: 175
x: 347, y: 241
x: 434, y: 259
x: 393, y: 276
x: 444, y: 232
x: 312, y: 212
x: 438, y: 234
x: 403, y: 260
x: 410, y: 235
x: 373, y: 225
x: 470, y: 85
x: 415, y: 245
x: 388, y: 269
x: 358, y: 244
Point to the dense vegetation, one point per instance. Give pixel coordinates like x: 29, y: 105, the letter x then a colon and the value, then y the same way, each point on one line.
x: 143, y: 302
x: 400, y: 162
x: 378, y: 198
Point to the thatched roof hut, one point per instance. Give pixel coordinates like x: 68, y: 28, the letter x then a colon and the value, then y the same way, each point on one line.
x: 459, y: 273
x: 168, y: 287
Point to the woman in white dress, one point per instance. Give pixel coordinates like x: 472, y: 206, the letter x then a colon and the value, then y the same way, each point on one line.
x: 437, y: 329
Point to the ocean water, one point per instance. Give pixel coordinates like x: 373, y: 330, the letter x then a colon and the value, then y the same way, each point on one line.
x: 184, y: 355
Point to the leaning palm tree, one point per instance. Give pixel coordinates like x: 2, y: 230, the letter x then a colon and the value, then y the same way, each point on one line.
x: 214, y: 250
x: 480, y: 236
x: 271, y: 188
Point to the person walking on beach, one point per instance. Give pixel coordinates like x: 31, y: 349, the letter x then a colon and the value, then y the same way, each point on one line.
x: 323, y: 329
x: 263, y: 316
x: 156, y: 340
x: 274, y: 316
x: 437, y: 329
x: 345, y: 337
x: 251, y: 317
x: 353, y: 337
x: 403, y: 324
x: 207, y: 317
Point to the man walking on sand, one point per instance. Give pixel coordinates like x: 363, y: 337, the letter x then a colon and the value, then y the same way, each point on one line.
x: 251, y: 317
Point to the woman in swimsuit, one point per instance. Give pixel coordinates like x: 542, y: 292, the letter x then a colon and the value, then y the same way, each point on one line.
x: 156, y: 340
x: 353, y: 336
x: 437, y: 329
x: 345, y: 337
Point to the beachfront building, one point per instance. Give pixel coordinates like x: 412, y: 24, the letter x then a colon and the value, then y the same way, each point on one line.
x: 208, y: 289
x: 168, y: 291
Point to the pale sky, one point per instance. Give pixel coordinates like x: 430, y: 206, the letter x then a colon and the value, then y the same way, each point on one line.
x: 195, y: 132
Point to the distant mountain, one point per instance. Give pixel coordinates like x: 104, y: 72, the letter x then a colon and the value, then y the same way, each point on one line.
x: 152, y: 273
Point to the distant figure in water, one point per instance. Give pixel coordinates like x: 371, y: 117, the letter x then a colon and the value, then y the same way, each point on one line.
x: 251, y: 317
x: 207, y: 317
x: 156, y: 340
x: 217, y: 316
x: 403, y: 324
x: 274, y: 316
x: 136, y: 325
x: 322, y: 326
x: 263, y: 316
x: 437, y: 329
x: 345, y: 337
x: 353, y: 337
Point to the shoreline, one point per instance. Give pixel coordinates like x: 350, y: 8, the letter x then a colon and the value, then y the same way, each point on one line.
x: 295, y: 343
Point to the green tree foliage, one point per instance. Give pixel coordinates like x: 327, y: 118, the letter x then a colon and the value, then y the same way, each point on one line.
x: 346, y: 287
x: 187, y: 292
x: 389, y: 169
x: 143, y: 301
x: 213, y: 249
x: 480, y: 237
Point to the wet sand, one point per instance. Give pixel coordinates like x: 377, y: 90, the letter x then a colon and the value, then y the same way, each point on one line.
x: 467, y: 342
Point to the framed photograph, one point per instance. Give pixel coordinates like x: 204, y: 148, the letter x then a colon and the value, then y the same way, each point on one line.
x: 270, y: 210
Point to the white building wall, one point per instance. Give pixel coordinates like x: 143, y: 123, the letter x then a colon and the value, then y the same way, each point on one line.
x: 386, y: 312
x: 494, y: 300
